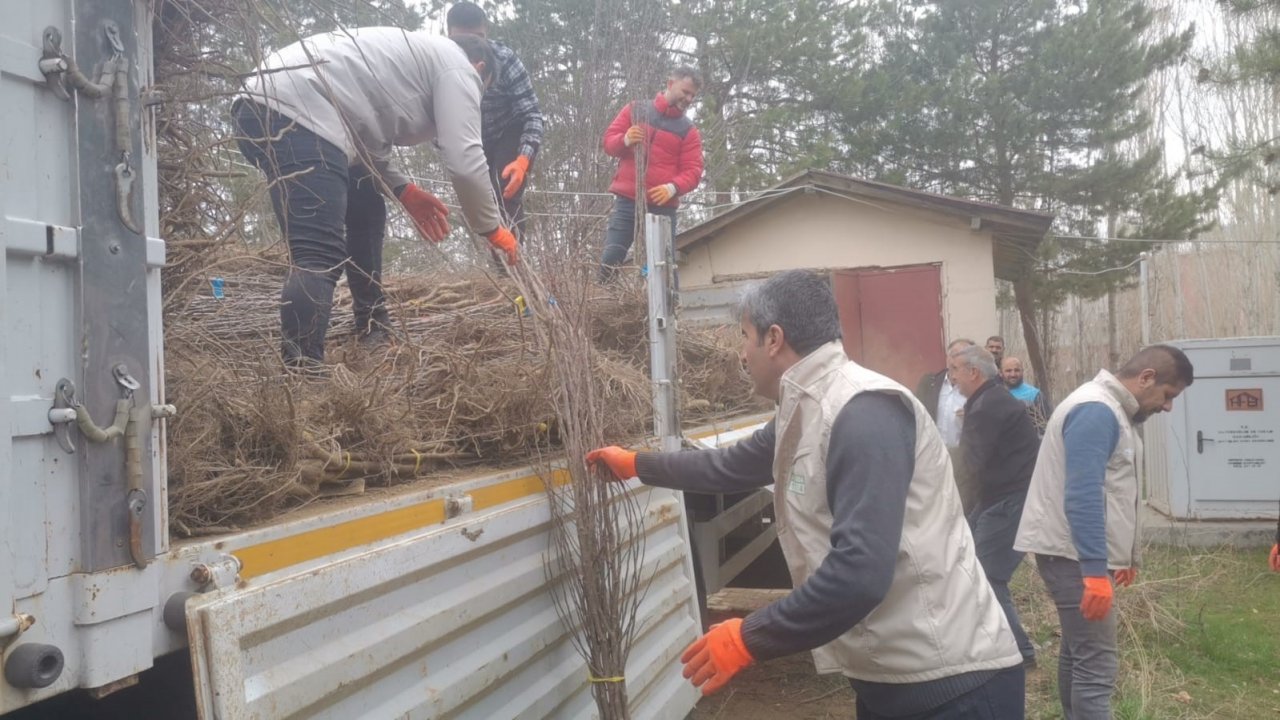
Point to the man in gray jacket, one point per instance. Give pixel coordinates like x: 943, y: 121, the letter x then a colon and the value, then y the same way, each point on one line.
x: 1081, y: 514
x: 321, y: 118
x: 888, y: 589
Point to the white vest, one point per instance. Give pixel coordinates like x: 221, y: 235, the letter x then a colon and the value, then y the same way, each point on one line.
x: 941, y: 617
x: 1044, y: 528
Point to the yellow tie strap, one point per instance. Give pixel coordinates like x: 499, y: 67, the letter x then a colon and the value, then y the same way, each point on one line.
x: 595, y: 679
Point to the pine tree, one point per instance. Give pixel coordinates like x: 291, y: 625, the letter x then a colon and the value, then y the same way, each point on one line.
x: 1034, y: 104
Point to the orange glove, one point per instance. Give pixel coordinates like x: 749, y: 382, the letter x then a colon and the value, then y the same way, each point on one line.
x: 427, y: 211
x: 1125, y: 576
x: 713, y: 659
x: 1275, y: 557
x: 516, y: 171
x: 1096, y: 601
x: 622, y: 463
x: 503, y: 241
x: 635, y: 134
x: 661, y: 194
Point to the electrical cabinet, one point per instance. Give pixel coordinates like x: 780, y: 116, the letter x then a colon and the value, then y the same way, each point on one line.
x: 1217, y: 454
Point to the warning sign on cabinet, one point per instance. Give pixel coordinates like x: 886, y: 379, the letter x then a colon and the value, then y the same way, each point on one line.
x: 1247, y: 399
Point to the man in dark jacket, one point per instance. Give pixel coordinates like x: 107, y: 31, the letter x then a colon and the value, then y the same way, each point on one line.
x: 998, y: 447
x: 671, y: 152
x: 510, y: 118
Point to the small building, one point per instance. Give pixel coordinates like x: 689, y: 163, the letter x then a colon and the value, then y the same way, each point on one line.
x: 910, y: 269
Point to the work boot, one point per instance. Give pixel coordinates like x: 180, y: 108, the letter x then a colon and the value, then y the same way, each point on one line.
x: 373, y: 329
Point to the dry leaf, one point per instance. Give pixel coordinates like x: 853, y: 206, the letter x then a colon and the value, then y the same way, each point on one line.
x: 1183, y: 697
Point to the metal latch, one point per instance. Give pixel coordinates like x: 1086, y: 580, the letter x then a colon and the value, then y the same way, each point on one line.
x: 63, y: 413
x: 126, y: 382
x: 62, y: 75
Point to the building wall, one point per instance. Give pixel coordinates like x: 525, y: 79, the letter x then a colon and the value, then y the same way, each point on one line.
x: 822, y: 231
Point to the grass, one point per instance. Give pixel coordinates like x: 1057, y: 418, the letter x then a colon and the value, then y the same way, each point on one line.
x: 1199, y: 638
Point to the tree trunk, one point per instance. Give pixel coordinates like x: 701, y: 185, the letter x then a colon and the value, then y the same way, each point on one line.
x: 1113, y: 349
x: 1022, y: 297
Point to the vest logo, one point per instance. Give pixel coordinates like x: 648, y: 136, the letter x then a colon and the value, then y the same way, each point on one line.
x: 796, y: 484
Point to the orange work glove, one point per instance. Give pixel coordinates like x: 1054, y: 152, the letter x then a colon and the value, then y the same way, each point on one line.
x: 1125, y: 576
x: 427, y: 211
x: 661, y: 194
x: 515, y: 170
x: 713, y: 659
x: 622, y: 463
x: 635, y: 134
x: 503, y: 241
x: 1096, y: 601
x: 1275, y: 557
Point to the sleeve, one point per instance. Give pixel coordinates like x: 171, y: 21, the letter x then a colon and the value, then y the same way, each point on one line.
x: 614, y: 146
x: 743, y: 466
x: 870, y: 462
x: 389, y: 173
x: 979, y: 438
x: 456, y: 104
x: 689, y: 173
x: 1089, y: 436
x: 525, y: 105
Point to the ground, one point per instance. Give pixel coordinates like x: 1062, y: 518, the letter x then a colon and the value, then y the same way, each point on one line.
x: 1200, y: 637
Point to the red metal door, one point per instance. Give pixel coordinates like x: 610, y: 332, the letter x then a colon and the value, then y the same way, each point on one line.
x: 892, y: 319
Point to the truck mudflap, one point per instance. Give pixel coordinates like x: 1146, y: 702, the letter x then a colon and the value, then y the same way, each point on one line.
x: 454, y: 621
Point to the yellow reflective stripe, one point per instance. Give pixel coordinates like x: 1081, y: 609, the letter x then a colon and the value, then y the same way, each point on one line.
x: 512, y: 490
x: 271, y: 556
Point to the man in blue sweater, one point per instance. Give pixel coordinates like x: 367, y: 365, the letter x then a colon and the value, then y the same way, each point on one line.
x: 1081, y: 516
x: 888, y: 589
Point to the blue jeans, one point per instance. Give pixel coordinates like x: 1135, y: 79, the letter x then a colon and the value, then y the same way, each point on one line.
x: 621, y: 231
x: 1003, y: 697
x: 994, y: 529
x: 1088, y: 661
x: 333, y: 218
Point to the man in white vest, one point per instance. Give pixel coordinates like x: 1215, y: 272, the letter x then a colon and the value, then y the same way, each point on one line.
x: 888, y: 588
x: 1081, y: 515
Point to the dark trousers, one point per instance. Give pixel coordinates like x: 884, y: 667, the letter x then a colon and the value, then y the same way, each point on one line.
x: 333, y: 218
x: 621, y: 232
x: 500, y: 152
x: 1003, y: 697
x: 994, y: 529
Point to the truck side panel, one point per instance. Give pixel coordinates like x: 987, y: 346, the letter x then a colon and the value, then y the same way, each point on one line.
x: 456, y: 621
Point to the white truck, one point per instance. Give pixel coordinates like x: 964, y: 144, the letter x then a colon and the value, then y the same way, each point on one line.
x: 419, y: 603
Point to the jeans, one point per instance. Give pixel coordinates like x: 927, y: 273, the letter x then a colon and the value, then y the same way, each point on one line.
x: 621, y: 231
x: 500, y: 152
x: 1003, y: 697
x: 316, y: 196
x: 994, y: 529
x: 1088, y: 661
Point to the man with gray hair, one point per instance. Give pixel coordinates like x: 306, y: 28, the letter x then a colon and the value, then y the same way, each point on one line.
x: 998, y: 447
x: 888, y: 589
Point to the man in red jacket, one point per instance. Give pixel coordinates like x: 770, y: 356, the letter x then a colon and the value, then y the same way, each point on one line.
x: 671, y: 151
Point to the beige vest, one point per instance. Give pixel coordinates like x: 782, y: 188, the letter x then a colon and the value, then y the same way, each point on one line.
x: 1044, y: 528
x: 941, y: 617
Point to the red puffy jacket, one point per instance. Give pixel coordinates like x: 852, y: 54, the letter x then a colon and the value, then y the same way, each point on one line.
x: 673, y: 143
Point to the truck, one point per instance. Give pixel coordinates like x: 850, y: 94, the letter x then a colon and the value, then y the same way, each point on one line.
x: 421, y: 602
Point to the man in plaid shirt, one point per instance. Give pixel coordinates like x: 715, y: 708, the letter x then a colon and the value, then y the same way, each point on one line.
x: 510, y: 116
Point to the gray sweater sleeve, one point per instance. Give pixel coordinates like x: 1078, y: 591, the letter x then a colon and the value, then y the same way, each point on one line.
x: 870, y: 462
x: 745, y: 465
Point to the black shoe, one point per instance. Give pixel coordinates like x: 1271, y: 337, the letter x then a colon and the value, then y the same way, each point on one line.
x: 377, y: 338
